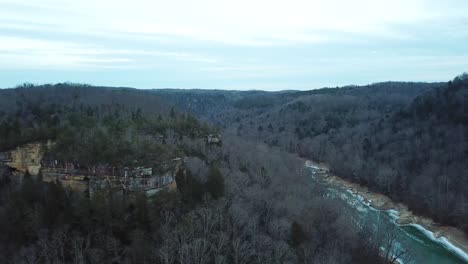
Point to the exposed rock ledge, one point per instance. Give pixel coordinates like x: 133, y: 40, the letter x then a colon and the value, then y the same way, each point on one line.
x: 26, y: 158
x: 381, y: 202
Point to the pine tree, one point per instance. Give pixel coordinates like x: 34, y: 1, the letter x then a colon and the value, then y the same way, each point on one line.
x: 298, y: 236
x: 215, y: 182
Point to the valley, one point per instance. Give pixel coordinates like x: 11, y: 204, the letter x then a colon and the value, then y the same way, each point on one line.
x: 427, y: 242
x: 140, y: 165
x: 233, y: 132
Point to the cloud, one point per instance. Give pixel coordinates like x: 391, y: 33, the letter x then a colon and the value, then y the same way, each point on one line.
x: 210, y: 42
x: 241, y: 22
x: 31, y: 53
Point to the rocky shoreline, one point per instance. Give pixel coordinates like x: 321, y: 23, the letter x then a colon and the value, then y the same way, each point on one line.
x: 405, y: 216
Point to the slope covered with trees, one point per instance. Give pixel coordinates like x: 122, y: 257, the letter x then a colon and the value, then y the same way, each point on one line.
x: 418, y: 155
x: 415, y: 153
x: 238, y: 202
x: 91, y: 125
x: 406, y: 140
x: 33, y: 113
x: 267, y: 212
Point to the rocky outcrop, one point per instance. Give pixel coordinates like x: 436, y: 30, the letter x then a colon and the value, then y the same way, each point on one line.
x: 25, y: 158
x: 379, y: 201
x: 102, y: 178
x: 29, y: 158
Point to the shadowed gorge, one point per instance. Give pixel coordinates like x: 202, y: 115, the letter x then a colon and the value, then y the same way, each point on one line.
x: 233, y: 132
x: 405, y: 140
x: 124, y: 176
x: 135, y: 167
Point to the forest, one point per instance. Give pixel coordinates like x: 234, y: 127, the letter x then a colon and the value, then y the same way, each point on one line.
x: 241, y: 201
x: 235, y: 211
x: 247, y: 200
x: 405, y: 140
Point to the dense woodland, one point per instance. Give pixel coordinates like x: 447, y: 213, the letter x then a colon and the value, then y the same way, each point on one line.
x: 406, y: 140
x: 111, y: 129
x: 232, y: 211
x: 246, y: 200
x: 237, y: 202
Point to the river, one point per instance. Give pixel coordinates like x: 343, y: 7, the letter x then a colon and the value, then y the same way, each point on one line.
x: 421, y: 246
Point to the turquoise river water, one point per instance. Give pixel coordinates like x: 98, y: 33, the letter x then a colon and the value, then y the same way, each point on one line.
x: 421, y: 246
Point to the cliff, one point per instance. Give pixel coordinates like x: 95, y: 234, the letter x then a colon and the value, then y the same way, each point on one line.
x: 25, y: 158
x: 30, y: 158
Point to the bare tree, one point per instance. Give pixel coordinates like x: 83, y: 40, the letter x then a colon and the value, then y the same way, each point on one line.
x: 242, y: 251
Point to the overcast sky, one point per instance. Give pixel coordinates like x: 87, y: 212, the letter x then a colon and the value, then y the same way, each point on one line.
x: 236, y: 44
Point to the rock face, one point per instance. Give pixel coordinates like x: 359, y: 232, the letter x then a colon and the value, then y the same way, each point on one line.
x: 29, y: 158
x: 25, y: 158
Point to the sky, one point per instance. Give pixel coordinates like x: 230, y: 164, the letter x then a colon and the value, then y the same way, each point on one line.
x: 236, y: 45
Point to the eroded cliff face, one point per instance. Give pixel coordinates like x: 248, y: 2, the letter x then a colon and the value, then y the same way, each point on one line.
x: 26, y: 158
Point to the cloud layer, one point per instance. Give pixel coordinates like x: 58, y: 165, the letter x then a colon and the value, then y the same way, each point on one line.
x: 240, y: 44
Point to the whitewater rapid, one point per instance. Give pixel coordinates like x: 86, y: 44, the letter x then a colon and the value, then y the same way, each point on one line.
x: 422, y: 245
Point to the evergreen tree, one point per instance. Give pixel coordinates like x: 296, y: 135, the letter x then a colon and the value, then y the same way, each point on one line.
x: 298, y: 235
x: 215, y: 182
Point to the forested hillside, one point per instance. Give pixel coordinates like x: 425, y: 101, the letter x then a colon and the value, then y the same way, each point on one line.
x: 33, y: 113
x: 222, y: 107
x: 236, y: 202
x: 228, y: 108
x: 241, y: 201
x: 75, y: 95
x: 415, y: 151
x: 406, y: 140
x: 92, y: 124
x: 418, y: 155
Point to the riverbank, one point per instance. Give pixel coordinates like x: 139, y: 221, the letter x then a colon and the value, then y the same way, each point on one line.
x: 452, y: 238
